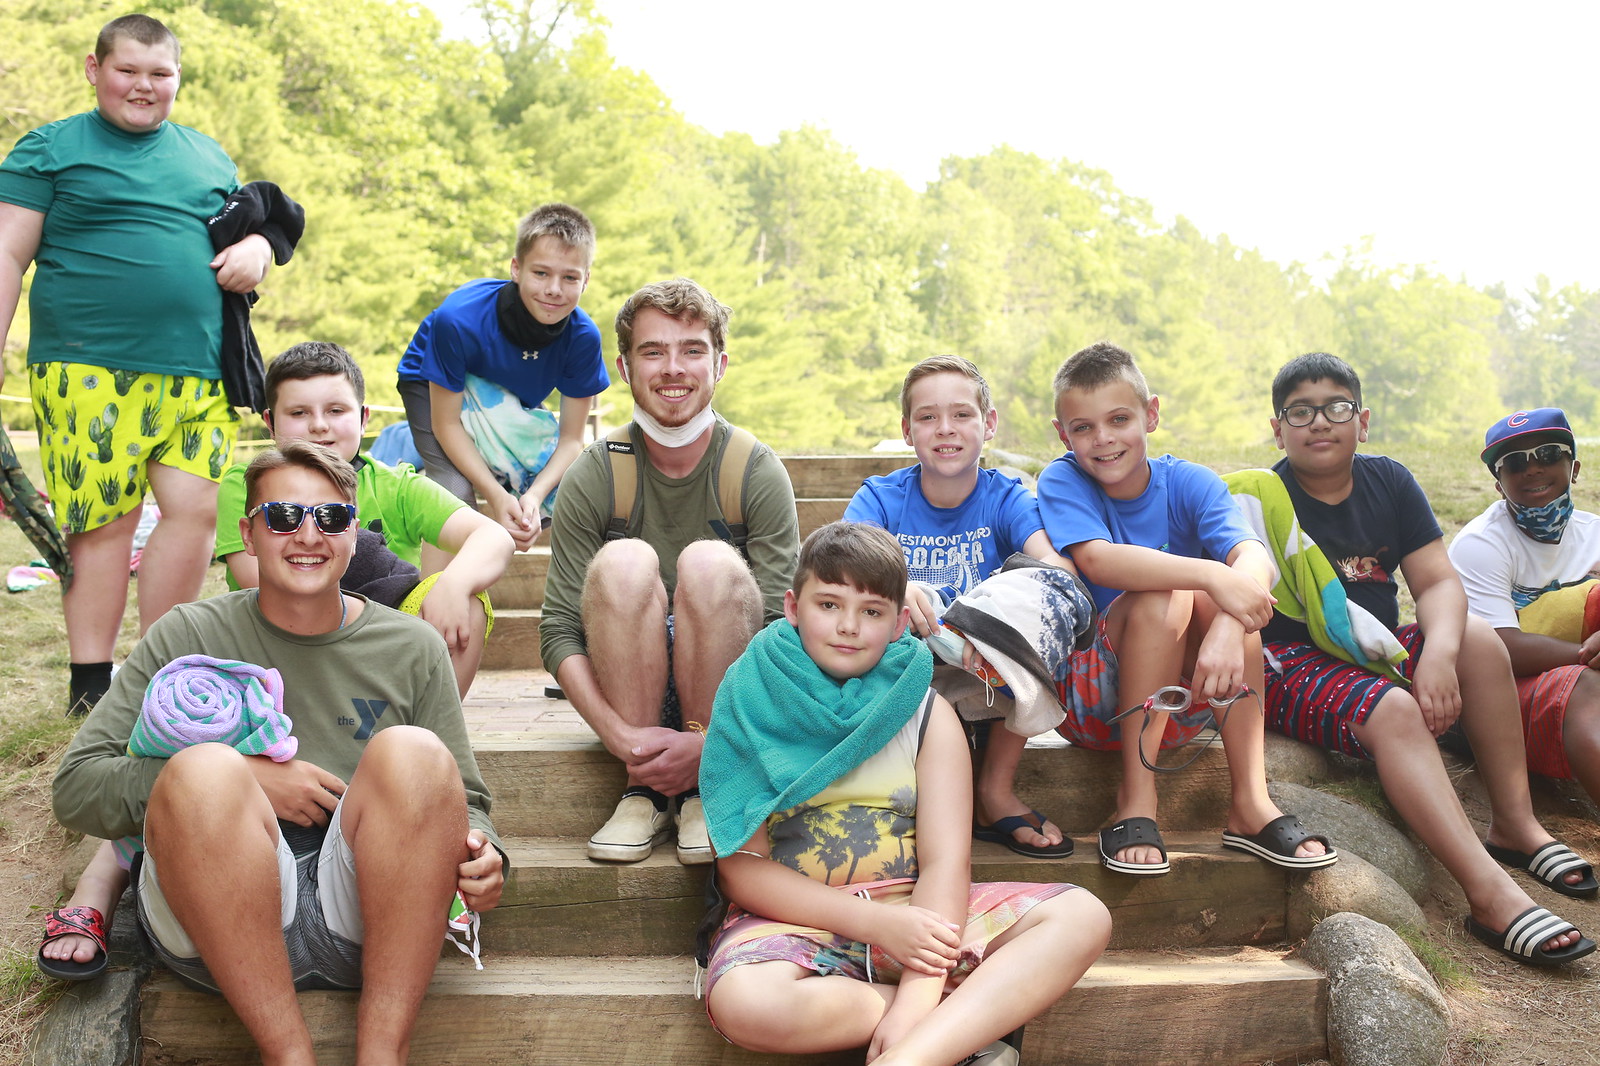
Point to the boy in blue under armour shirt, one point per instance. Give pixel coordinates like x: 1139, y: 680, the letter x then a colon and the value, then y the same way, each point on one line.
x: 481, y: 365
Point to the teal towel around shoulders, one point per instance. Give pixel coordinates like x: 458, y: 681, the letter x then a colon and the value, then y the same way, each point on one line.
x: 782, y: 730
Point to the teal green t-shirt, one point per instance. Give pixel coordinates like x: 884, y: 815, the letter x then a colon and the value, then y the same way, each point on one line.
x: 403, y: 505
x: 124, y: 278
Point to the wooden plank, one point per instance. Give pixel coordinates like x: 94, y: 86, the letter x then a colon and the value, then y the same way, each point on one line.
x: 542, y: 788
x: 1235, y: 1007
x: 839, y: 475
x: 521, y: 587
x: 558, y: 902
x: 815, y: 513
x: 514, y: 643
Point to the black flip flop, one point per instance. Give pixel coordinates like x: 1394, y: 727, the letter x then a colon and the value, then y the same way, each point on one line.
x: 1524, y: 938
x: 999, y: 832
x: 1133, y: 832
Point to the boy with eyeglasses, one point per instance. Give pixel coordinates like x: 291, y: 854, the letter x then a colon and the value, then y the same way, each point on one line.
x: 1370, y: 518
x: 1528, y: 563
x: 334, y: 867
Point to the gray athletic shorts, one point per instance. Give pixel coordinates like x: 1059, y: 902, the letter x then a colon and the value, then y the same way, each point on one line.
x: 320, y: 907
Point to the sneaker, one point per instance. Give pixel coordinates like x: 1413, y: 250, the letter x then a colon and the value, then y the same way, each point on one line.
x: 694, y: 842
x: 634, y: 830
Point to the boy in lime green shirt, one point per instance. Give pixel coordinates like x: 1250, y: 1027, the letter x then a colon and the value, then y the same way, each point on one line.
x: 316, y: 392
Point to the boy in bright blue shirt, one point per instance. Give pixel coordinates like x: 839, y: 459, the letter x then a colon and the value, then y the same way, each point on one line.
x: 957, y: 524
x: 482, y: 364
x: 1182, y: 583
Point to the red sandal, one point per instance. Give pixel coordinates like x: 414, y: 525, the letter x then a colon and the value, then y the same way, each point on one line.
x: 74, y: 921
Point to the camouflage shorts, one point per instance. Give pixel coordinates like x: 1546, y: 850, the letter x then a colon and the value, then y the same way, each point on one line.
x: 99, y: 428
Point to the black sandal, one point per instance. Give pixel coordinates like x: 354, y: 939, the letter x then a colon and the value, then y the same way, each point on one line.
x: 1133, y: 832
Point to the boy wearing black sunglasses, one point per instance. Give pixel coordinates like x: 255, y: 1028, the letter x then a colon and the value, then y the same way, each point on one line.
x: 1368, y: 519
x: 335, y: 867
x: 1529, y: 564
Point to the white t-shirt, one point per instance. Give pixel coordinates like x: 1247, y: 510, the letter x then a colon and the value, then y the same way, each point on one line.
x: 1504, y: 569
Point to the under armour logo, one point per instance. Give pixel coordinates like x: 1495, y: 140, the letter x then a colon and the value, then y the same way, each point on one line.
x: 530, y: 355
x: 370, y: 711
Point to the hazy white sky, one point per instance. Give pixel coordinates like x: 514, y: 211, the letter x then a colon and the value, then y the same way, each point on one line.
x: 1460, y: 136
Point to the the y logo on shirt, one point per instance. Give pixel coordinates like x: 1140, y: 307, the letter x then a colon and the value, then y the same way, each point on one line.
x: 369, y: 711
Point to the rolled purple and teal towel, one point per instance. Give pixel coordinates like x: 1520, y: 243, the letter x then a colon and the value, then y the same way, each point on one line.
x: 196, y: 699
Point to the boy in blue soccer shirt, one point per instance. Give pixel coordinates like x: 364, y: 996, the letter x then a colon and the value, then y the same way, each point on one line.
x: 481, y: 365
x: 1181, y: 582
x: 957, y: 524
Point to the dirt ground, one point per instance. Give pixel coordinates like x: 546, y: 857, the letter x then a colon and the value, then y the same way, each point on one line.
x: 1503, y: 1014
x: 1512, y: 1015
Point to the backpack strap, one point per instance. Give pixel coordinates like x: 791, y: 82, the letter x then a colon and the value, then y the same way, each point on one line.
x: 730, y: 468
x: 733, y: 474
x: 625, y: 457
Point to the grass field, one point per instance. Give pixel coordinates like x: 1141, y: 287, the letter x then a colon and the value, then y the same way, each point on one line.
x: 33, y: 732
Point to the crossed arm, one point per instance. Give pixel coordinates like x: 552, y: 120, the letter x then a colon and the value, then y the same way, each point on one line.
x: 925, y: 936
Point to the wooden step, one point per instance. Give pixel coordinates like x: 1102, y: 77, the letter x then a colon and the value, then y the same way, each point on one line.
x: 521, y: 587
x: 559, y: 902
x: 839, y: 475
x: 514, y: 642
x: 1242, y: 1006
x: 564, y: 784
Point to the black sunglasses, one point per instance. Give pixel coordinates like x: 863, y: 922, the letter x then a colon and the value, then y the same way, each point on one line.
x: 1518, y: 461
x: 286, y: 518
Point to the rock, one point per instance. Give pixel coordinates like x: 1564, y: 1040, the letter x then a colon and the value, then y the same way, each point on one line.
x: 96, y: 1023
x: 1383, y: 1007
x: 1353, y: 828
x: 1354, y: 885
x: 93, y: 1022
x: 1292, y: 761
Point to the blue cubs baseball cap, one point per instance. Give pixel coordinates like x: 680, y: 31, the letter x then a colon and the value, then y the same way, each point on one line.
x: 1523, y: 429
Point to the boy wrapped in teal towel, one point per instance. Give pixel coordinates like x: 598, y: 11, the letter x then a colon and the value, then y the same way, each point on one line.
x: 854, y: 920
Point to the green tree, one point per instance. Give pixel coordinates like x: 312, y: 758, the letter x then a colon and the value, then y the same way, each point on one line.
x: 1422, y: 345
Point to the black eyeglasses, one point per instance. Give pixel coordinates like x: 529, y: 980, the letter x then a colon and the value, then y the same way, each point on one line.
x: 1518, y: 461
x: 286, y: 518
x: 1301, y: 415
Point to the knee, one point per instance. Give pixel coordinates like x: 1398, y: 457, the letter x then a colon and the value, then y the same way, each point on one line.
x: 204, y: 779
x: 744, y: 1014
x: 409, y: 755
x: 1158, y: 612
x: 1077, y: 912
x: 200, y: 766
x: 1482, y: 646
x: 1582, y: 721
x: 622, y: 574
x: 713, y: 577
x: 1395, y: 719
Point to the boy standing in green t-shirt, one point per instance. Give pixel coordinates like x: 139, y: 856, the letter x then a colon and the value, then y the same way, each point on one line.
x: 124, y: 349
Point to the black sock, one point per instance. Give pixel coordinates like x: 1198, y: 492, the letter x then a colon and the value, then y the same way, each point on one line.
x: 657, y: 798
x: 87, y: 684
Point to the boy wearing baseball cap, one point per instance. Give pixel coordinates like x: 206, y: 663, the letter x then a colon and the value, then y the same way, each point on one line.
x: 1529, y: 564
